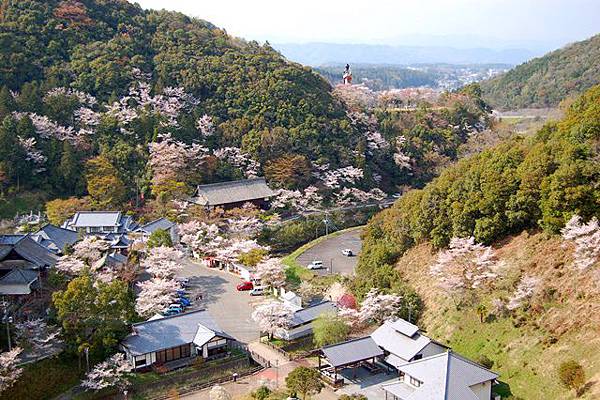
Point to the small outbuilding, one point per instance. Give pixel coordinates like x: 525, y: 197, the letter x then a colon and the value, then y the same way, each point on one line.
x: 350, y: 354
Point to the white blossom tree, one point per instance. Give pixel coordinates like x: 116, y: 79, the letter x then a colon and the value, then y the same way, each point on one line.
x: 9, y: 370
x: 90, y: 249
x: 205, y: 126
x: 526, y: 288
x: 155, y: 295
x: 231, y: 249
x: 586, y: 237
x: 218, y: 393
x: 37, y: 335
x: 70, y: 265
x: 238, y: 159
x: 272, y: 317
x: 465, y: 267
x: 271, y: 272
x: 163, y: 261
x: 244, y: 226
x: 378, y: 307
x: 335, y: 292
x: 112, y: 372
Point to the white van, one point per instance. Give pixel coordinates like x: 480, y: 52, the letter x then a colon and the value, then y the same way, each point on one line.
x: 257, y: 291
x: 315, y: 265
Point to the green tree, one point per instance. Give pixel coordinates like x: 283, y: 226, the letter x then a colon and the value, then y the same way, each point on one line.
x: 7, y: 103
x: 572, y: 375
x: 104, y: 186
x: 94, y: 314
x: 304, y: 381
x: 328, y: 329
x: 160, y: 237
x: 70, y: 170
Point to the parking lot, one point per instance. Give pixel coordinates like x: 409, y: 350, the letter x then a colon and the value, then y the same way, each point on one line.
x: 230, y: 308
x: 330, y: 252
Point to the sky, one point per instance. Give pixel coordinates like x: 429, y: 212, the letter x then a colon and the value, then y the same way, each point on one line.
x: 463, y: 23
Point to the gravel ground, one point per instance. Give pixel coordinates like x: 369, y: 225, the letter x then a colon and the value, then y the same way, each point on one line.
x: 330, y: 252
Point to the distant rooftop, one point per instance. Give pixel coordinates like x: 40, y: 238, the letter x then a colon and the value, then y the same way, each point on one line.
x: 161, y: 223
x: 240, y: 191
x: 96, y: 219
x: 311, y: 313
x: 351, y: 351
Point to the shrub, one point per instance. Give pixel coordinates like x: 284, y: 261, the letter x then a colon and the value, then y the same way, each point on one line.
x: 484, y: 361
x: 261, y: 393
x: 160, y: 237
x: 572, y: 375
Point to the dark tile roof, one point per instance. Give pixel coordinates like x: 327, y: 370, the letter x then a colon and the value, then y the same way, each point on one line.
x: 59, y: 237
x: 18, y: 282
x: 311, y: 313
x: 351, y: 351
x: 161, y: 223
x: 216, y: 194
x: 32, y: 251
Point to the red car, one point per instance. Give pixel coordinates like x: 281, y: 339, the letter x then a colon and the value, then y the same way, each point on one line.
x: 245, y: 286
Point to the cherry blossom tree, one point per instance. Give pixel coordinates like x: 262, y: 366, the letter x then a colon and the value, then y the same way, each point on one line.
x: 37, y: 335
x: 351, y: 196
x: 586, y: 237
x: 82, y: 97
x: 401, y: 159
x: 303, y: 201
x: 112, y: 372
x: 218, y: 393
x: 205, y: 126
x: 378, y: 307
x: 271, y: 272
x: 33, y: 154
x: 231, y: 249
x: 155, y: 295
x: 238, y: 159
x: 335, y: 292
x: 163, y: 261
x: 527, y: 287
x: 272, y: 317
x: 465, y: 267
x: 244, y: 226
x: 70, y: 265
x: 9, y: 370
x: 334, y: 179
x: 90, y: 249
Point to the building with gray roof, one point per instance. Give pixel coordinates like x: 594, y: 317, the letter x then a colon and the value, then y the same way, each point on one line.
x: 234, y: 194
x: 177, y: 338
x: 55, y: 238
x: 19, y: 282
x: 445, y: 376
x: 158, y: 224
x: 302, y: 320
x: 99, y: 222
x: 403, y: 342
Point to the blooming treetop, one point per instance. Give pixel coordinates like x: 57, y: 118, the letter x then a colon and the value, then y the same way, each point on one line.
x: 244, y: 226
x: 233, y: 248
x: 335, y: 292
x: 33, y: 154
x: 218, y: 393
x: 9, y: 371
x: 90, y: 249
x: 302, y: 201
x: 155, y: 294
x: 587, y: 241
x: 70, y: 265
x: 110, y: 373
x: 465, y: 266
x: 378, y: 307
x: 350, y: 196
x: 205, y: 126
x: 235, y: 157
x: 38, y: 335
x: 271, y: 272
x: 526, y: 288
x: 163, y: 261
x: 273, y: 317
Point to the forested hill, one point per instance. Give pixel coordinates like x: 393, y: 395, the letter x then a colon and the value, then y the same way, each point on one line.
x: 546, y: 81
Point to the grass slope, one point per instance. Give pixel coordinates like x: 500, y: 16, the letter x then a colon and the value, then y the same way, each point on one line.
x: 561, y: 322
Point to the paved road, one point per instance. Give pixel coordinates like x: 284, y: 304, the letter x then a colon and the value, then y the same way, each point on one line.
x: 230, y: 308
x: 330, y: 252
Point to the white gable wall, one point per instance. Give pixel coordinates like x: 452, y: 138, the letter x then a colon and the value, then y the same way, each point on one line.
x: 483, y: 391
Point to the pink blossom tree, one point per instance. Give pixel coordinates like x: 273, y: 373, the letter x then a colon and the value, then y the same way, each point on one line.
x: 90, y: 249
x: 9, y: 369
x: 155, y: 295
x: 465, y: 267
x: 378, y: 307
x: 271, y: 272
x: 238, y: 159
x: 112, y: 372
x: 70, y: 265
x: 37, y: 336
x: 586, y: 237
x: 527, y: 287
x: 205, y: 126
x: 163, y: 262
x: 272, y: 317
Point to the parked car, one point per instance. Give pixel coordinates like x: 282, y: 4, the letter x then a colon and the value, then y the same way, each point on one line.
x: 347, y: 252
x: 175, y: 307
x: 247, y: 285
x: 315, y: 265
x: 168, y: 312
x: 397, y: 195
x: 257, y: 291
x: 181, y: 292
x: 182, y: 281
x: 184, y: 301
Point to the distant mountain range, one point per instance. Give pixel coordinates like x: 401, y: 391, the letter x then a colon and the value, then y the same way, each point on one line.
x: 318, y: 54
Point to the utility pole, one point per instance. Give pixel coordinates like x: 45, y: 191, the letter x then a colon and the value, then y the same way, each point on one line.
x: 331, y: 266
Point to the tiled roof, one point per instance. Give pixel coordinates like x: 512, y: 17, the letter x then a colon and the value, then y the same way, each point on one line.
x: 96, y: 218
x: 389, y: 336
x: 177, y: 330
x: 216, y: 194
x: 18, y: 282
x: 161, y: 223
x: 311, y: 313
x: 445, y: 376
x: 31, y: 251
x: 352, y: 351
x: 55, y: 237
